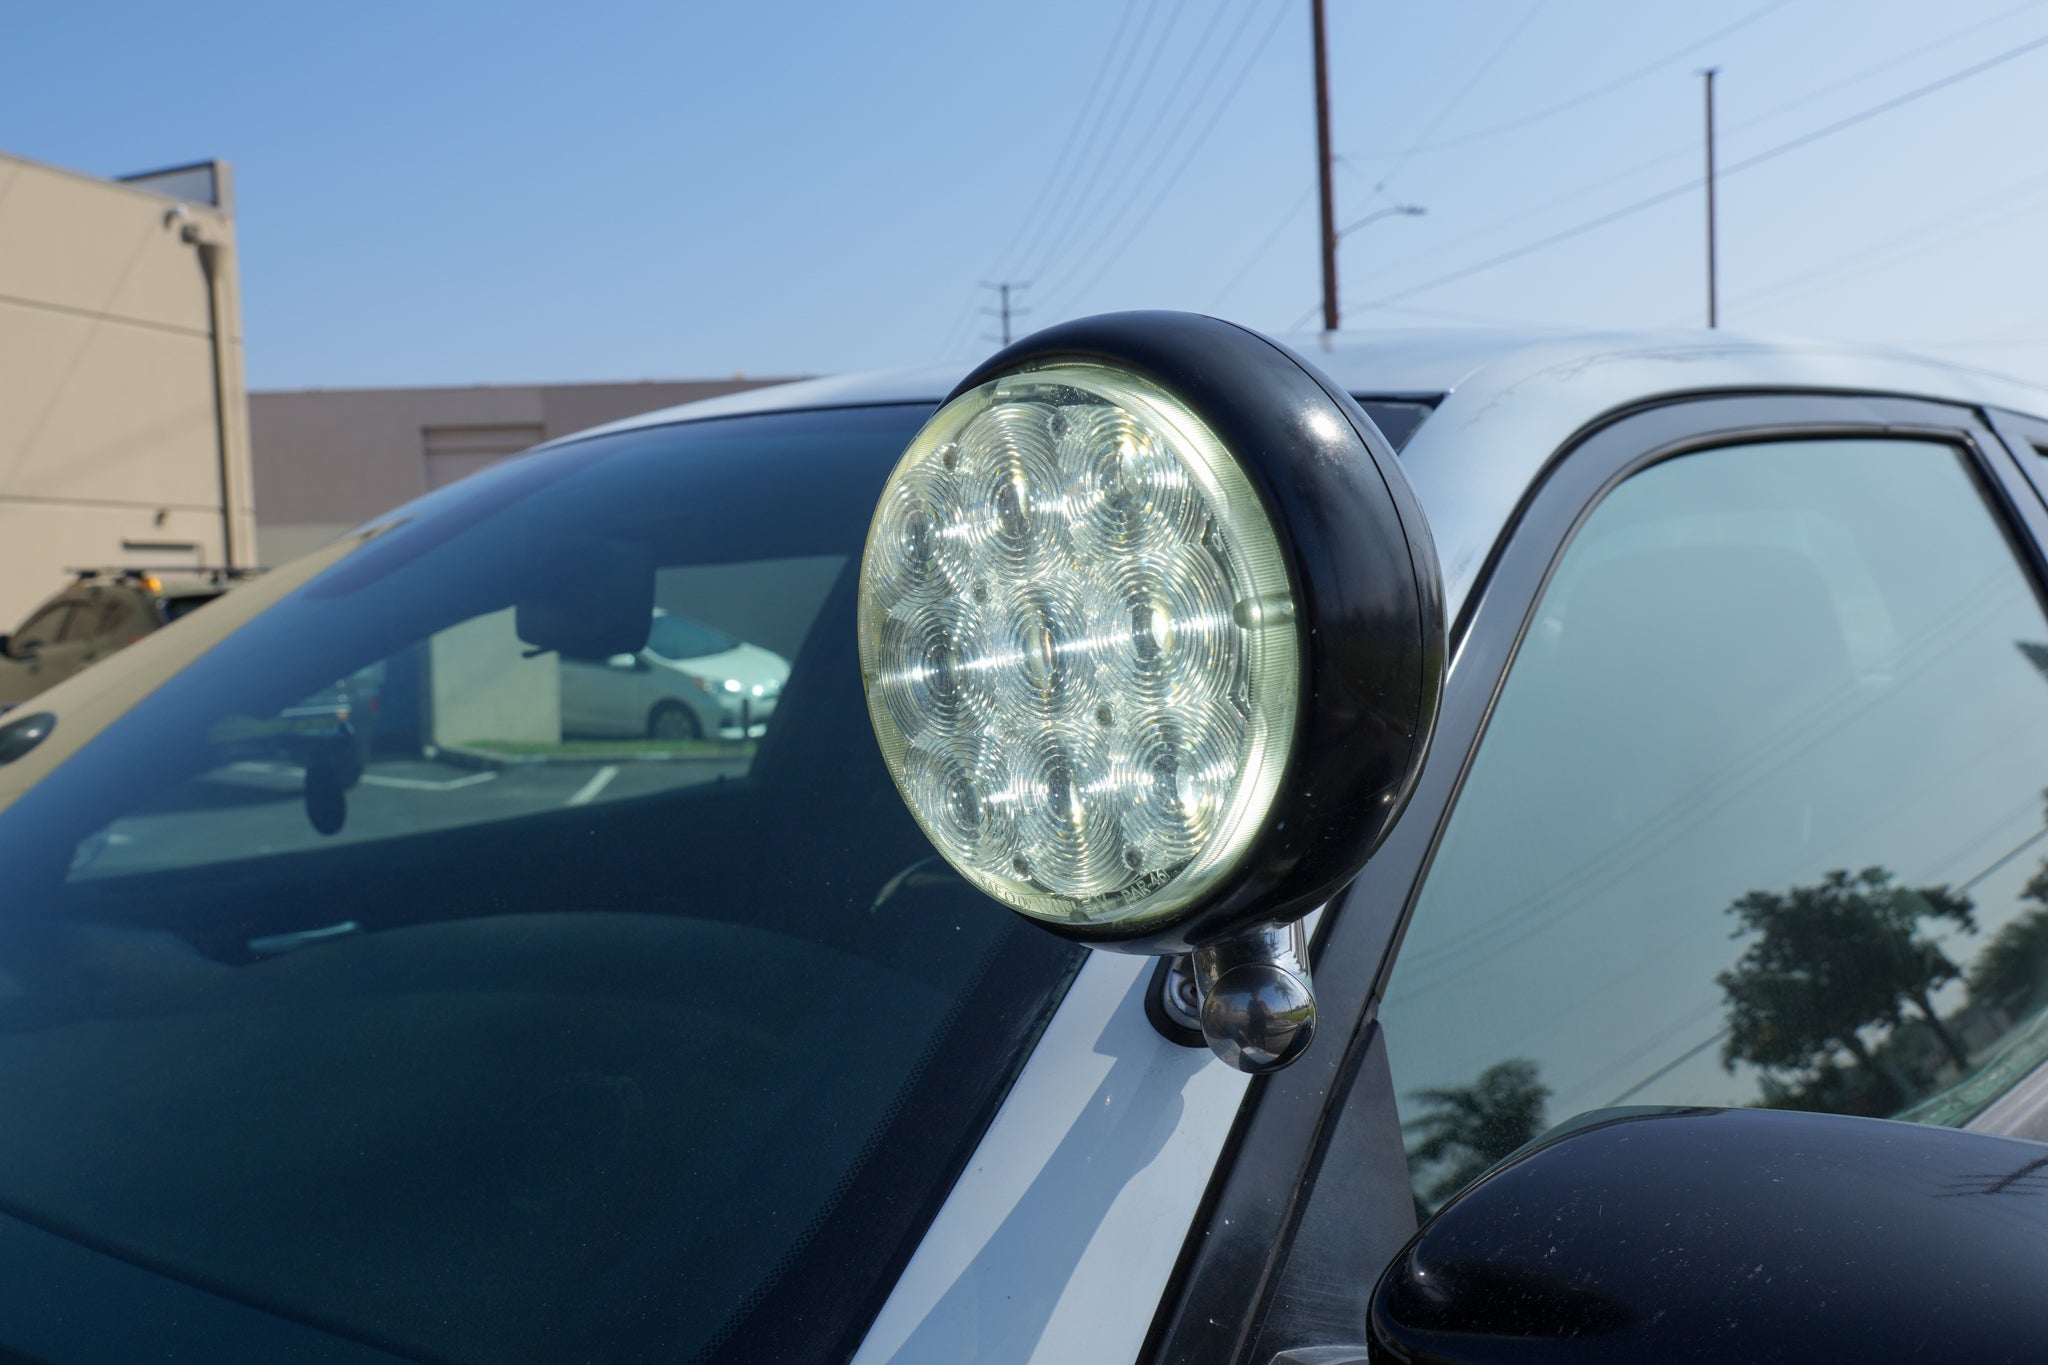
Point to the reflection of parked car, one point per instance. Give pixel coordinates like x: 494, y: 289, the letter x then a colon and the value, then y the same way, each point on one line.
x: 690, y: 682
x: 104, y: 610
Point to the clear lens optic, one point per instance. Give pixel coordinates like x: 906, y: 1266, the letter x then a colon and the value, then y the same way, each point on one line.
x: 1079, y: 645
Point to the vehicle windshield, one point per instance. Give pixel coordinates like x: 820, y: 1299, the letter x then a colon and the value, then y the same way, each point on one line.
x: 175, y: 607
x: 674, y: 638
x: 417, y: 969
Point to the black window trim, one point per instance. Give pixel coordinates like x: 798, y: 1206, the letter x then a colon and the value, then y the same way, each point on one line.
x: 1285, y: 1246
x: 2026, y: 438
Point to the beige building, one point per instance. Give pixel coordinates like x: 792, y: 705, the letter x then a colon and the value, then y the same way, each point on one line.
x: 123, y: 432
x: 329, y: 459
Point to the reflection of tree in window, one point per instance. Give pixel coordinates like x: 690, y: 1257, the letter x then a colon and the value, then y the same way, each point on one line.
x: 1827, y: 963
x: 2012, y: 971
x: 1469, y: 1127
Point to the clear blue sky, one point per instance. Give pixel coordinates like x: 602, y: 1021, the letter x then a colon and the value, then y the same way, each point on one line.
x: 464, y: 192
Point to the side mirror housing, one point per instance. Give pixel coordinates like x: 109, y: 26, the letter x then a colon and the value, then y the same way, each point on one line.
x: 1730, y: 1234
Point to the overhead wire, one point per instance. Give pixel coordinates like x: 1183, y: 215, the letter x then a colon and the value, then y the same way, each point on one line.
x: 1882, y: 255
x: 1082, y: 135
x: 1130, y: 182
x: 1194, y: 148
x: 1734, y: 168
x: 1450, y: 106
x: 1266, y: 244
x: 1691, y: 149
x: 1084, y: 121
x: 1083, y: 185
x: 1585, y: 97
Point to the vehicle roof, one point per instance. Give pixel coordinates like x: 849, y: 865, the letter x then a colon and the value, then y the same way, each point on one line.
x: 1509, y: 399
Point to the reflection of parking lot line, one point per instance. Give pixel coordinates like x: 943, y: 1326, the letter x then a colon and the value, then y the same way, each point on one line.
x: 420, y: 784
x: 410, y: 784
x: 588, y: 792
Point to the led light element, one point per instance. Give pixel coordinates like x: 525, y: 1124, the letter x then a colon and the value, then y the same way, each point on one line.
x: 1080, y: 645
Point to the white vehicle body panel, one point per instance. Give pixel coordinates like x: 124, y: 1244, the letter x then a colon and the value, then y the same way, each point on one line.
x: 1075, y: 1205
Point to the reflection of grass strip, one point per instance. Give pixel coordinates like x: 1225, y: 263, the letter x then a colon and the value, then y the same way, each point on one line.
x: 2005, y: 1068
x: 615, y: 748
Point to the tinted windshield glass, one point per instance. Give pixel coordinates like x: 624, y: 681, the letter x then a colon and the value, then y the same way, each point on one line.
x: 422, y: 965
x: 674, y: 638
x: 174, y: 607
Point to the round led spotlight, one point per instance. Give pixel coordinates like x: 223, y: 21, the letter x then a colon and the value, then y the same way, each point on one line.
x: 1143, y: 593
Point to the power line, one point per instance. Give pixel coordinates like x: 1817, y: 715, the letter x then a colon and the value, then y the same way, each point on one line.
x: 1665, y: 1070
x: 1982, y: 214
x: 1221, y: 107
x: 1082, y: 186
x: 1004, y: 288
x: 1084, y: 120
x: 1470, y: 319
x: 1132, y: 185
x: 2036, y: 837
x: 1585, y: 97
x: 1313, y: 309
x: 1057, y: 178
x: 1521, y: 217
x: 1450, y: 106
x: 1665, y: 196
x: 1259, y: 252
x: 1886, y: 65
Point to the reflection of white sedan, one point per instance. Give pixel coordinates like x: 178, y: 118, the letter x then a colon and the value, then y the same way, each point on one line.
x: 690, y: 682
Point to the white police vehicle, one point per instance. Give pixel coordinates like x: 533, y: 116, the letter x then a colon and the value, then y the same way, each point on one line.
x: 1660, y: 736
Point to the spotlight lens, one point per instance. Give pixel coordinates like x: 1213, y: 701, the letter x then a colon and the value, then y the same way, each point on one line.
x: 1079, y: 645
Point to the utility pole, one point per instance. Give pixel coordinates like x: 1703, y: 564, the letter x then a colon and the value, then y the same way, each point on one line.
x: 1323, y: 168
x: 1004, y: 288
x: 1713, y: 309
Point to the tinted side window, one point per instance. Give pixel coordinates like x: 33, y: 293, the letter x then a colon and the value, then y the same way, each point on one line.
x: 673, y: 637
x: 83, y: 623
x: 105, y: 616
x: 1397, y: 418
x: 42, y: 628
x: 1758, y: 819
x: 175, y: 607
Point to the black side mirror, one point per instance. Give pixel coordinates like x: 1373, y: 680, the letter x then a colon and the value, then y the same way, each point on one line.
x: 4, y: 641
x: 1731, y: 1235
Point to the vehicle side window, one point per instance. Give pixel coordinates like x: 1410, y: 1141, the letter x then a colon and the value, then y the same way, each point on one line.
x: 43, y: 628
x: 673, y: 637
x: 103, y: 617
x: 1758, y: 818
x: 175, y: 607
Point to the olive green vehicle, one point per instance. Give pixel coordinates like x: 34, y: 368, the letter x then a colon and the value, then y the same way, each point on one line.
x: 102, y: 612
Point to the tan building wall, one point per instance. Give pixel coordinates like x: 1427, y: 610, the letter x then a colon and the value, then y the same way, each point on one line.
x: 123, y: 431
x: 329, y: 459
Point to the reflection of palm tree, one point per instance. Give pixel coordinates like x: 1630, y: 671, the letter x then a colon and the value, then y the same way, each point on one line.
x: 2012, y: 970
x: 1828, y: 961
x: 1473, y: 1126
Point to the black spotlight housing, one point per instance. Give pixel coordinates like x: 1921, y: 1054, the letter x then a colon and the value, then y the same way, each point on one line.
x: 1369, y: 600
